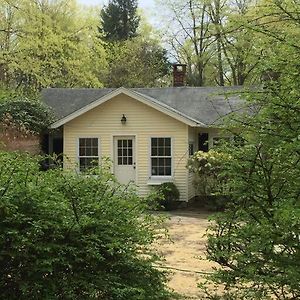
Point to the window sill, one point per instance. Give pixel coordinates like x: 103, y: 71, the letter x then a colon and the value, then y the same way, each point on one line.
x: 158, y: 180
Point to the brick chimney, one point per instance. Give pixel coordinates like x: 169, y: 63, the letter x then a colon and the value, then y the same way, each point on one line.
x: 179, y: 75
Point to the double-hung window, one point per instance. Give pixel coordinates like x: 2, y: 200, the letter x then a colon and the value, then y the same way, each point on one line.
x: 161, y: 156
x: 88, y: 153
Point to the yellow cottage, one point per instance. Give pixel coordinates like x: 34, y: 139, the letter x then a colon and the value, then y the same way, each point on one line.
x: 148, y: 133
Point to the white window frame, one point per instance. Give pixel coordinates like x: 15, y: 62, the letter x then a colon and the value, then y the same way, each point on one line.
x: 158, y: 179
x: 78, y: 151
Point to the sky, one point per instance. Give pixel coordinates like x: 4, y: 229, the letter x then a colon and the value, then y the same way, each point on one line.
x: 142, y: 3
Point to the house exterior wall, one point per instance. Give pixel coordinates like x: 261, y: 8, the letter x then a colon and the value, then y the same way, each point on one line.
x: 143, y: 122
x: 192, y: 136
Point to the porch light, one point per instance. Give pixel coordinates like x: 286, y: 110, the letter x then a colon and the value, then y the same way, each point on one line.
x: 123, y: 120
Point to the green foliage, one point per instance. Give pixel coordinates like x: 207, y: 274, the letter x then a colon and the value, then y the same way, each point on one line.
x: 48, y: 44
x: 207, y: 166
x: 30, y: 114
x: 138, y: 62
x: 209, y: 181
x: 68, y: 236
x: 168, y: 195
x: 256, y: 239
x: 119, y: 20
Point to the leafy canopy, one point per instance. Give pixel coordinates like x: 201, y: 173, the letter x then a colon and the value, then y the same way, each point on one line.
x: 33, y: 115
x: 256, y: 239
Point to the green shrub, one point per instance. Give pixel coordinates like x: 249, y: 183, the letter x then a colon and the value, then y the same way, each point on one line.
x: 68, y: 236
x: 207, y: 167
x: 30, y: 114
x: 169, y: 195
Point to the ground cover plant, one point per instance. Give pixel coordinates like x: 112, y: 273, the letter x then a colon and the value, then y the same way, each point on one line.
x: 68, y: 236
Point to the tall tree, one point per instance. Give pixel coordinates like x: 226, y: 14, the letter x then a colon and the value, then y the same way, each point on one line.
x: 241, y: 52
x: 138, y: 62
x: 119, y: 20
x: 216, y: 15
x: 188, y: 36
x: 48, y: 44
x: 256, y: 239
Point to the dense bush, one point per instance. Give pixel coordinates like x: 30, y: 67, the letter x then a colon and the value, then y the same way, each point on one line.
x: 68, y: 236
x: 209, y: 180
x: 168, y: 195
x: 29, y: 114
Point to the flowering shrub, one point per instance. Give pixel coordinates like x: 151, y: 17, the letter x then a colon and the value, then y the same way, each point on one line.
x: 207, y: 167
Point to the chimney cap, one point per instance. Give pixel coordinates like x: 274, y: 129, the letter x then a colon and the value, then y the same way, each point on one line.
x: 179, y: 74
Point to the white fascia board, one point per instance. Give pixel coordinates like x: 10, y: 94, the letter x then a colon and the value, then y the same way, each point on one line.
x: 140, y: 97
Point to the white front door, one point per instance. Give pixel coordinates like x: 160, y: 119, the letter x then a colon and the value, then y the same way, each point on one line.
x: 124, y: 158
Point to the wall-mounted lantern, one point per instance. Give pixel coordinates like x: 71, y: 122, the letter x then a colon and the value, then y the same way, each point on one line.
x: 124, y: 119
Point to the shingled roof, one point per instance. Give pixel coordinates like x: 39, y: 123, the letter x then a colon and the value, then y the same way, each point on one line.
x: 207, y: 105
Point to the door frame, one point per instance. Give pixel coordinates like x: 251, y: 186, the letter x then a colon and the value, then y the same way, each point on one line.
x: 135, y: 139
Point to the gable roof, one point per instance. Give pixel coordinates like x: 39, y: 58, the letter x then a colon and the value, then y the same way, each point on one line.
x: 195, y: 106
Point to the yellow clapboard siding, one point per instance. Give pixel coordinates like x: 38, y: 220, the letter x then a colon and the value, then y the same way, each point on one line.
x: 143, y: 122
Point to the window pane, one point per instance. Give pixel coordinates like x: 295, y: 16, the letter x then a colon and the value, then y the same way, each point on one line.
x: 119, y: 143
x: 119, y: 152
x: 81, y: 151
x: 161, y: 142
x: 154, y: 151
x: 191, y: 149
x: 125, y: 161
x: 81, y: 142
x: 124, y: 143
x: 161, y: 161
x: 168, y: 171
x: 94, y: 151
x: 124, y: 152
x: 87, y: 163
x: 161, y: 151
x: 168, y: 151
x: 129, y: 160
x: 168, y: 162
x: 120, y: 161
x: 130, y: 152
x: 161, y: 171
x: 95, y: 142
x: 168, y: 142
x: 88, y: 142
x: 129, y: 143
x: 88, y: 152
x: 154, y: 162
x: 154, y: 142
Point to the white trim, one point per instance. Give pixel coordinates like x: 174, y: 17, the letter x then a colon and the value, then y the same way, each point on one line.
x: 137, y: 96
x: 158, y: 180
